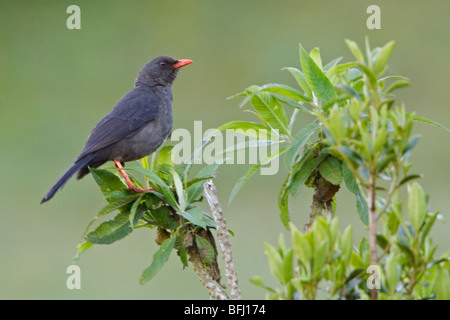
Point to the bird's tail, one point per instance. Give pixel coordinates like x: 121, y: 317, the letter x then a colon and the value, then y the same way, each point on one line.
x: 76, y: 166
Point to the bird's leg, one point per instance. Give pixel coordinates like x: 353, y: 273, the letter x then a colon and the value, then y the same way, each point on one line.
x: 127, y: 179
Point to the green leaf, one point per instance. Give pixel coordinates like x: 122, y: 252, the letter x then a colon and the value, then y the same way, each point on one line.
x: 82, y: 247
x: 250, y: 129
x: 409, y: 178
x: 349, y: 179
x: 429, y: 222
x: 304, y: 172
x: 331, y: 64
x: 354, y: 74
x: 357, y: 261
x: 286, y: 91
x: 183, y: 254
x: 315, y: 55
x: 208, y: 171
x: 283, y: 203
x: 206, y: 250
x: 347, y: 245
x: 320, y: 256
x: 181, y: 194
x: 288, y: 266
x: 159, y: 259
x: 363, y: 210
x: 370, y: 75
x: 300, y: 78
x: 382, y: 58
x: 382, y: 241
x: 299, y: 105
x: 431, y: 122
x: 331, y: 170
x: 340, y: 69
x: 364, y: 251
x: 199, y: 181
x: 355, y: 50
x: 294, y: 116
x: 196, y: 187
x: 161, y: 214
x: 405, y: 234
x: 355, y: 273
x: 281, y: 244
x: 275, y: 262
x: 145, y: 162
x: 320, y: 229
x: 116, y: 204
x: 257, y: 115
x: 111, y: 231
x: 165, y: 157
x: 334, y: 229
x: 392, y: 272
x: 411, y: 144
x: 380, y: 140
x: 108, y: 182
x: 160, y: 184
x: 355, y: 94
x: 368, y: 52
x: 246, y: 144
x: 271, y: 111
x: 385, y: 160
x: 347, y: 152
x: 392, y: 77
x: 316, y: 79
x: 301, y: 246
x: 442, y: 284
x: 397, y: 85
x: 299, y: 142
x: 194, y: 215
x: 258, y: 281
x: 133, y: 214
x: 240, y: 94
x: 243, y: 180
x: 417, y: 207
x: 186, y: 167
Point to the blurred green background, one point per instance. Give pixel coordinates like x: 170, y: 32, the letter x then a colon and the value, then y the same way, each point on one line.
x: 55, y: 84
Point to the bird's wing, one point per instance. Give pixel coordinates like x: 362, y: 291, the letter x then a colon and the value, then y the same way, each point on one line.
x: 129, y: 115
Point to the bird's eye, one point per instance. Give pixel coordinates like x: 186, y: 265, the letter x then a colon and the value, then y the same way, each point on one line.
x: 162, y: 64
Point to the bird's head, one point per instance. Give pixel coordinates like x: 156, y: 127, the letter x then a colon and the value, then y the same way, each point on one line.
x: 160, y: 71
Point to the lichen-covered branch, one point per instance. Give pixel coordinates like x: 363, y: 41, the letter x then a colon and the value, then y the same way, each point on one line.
x: 214, y: 289
x: 210, y: 192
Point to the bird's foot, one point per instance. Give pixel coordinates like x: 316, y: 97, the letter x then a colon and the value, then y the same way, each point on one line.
x: 127, y: 179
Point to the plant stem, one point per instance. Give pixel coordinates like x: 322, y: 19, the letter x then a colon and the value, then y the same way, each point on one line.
x: 322, y: 199
x: 214, y: 289
x: 210, y: 192
x: 372, y: 227
x: 412, y: 284
x: 392, y: 187
x: 316, y: 209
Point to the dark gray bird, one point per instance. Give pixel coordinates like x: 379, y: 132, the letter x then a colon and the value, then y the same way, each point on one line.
x: 136, y: 126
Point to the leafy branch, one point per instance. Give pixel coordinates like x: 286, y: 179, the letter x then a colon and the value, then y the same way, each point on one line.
x: 361, y: 138
x: 172, y: 209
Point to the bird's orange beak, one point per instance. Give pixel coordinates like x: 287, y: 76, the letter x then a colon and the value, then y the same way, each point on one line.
x: 182, y: 62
